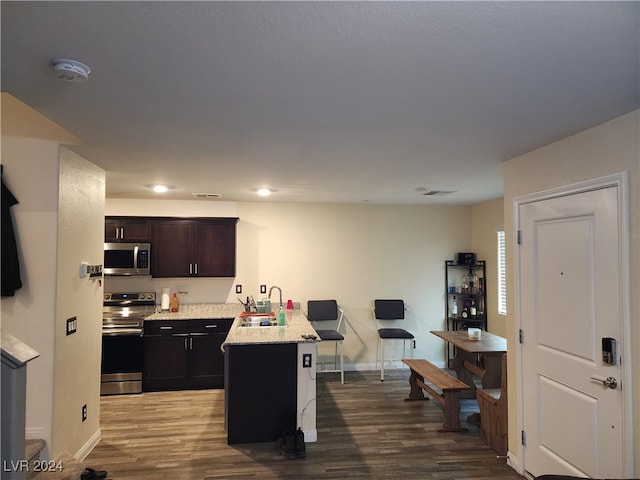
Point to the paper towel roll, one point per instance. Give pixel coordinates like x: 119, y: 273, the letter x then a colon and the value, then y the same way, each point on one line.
x: 166, y: 300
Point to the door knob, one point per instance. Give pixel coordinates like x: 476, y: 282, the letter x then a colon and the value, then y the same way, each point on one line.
x: 610, y: 382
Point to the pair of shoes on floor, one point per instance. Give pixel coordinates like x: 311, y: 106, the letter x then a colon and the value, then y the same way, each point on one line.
x: 286, y: 445
x: 300, y: 449
x: 291, y: 445
x: 91, y: 474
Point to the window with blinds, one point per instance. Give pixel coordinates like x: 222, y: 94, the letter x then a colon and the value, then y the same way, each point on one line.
x: 502, y: 274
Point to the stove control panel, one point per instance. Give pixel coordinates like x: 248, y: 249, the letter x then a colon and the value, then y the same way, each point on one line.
x: 130, y: 296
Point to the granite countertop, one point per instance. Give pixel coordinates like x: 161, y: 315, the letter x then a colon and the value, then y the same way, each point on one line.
x: 297, y: 325
x: 200, y: 311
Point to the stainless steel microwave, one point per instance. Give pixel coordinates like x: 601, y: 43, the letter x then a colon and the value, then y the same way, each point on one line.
x: 127, y: 259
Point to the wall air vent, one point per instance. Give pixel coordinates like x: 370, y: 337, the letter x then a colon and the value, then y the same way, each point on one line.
x: 434, y: 193
x: 207, y: 196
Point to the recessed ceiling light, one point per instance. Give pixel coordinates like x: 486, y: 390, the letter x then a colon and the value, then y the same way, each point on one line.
x: 160, y: 188
x: 264, y: 192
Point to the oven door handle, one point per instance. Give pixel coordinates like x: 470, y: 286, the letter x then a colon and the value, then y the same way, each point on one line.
x: 114, y: 332
x: 129, y: 326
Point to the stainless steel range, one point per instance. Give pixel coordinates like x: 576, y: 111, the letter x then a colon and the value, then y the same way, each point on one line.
x: 122, y: 347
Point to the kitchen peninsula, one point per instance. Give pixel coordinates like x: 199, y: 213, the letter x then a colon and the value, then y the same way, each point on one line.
x: 267, y: 390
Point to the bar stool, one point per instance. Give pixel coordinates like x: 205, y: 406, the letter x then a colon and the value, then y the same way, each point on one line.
x: 328, y: 311
x: 389, y: 310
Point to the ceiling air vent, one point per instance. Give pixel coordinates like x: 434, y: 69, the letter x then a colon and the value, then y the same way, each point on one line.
x: 207, y: 196
x: 433, y: 193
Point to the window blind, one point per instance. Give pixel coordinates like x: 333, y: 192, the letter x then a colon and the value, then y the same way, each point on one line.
x: 502, y: 274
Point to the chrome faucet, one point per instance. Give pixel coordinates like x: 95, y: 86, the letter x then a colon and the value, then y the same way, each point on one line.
x: 280, y: 290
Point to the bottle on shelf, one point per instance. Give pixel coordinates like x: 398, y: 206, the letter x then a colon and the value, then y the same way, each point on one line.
x: 472, y: 310
x: 472, y: 282
x: 453, y: 308
x: 473, y: 285
x: 465, y: 284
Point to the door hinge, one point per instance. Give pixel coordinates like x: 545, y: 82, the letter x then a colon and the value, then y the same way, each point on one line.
x: 521, y: 336
x: 519, y: 237
x: 523, y: 437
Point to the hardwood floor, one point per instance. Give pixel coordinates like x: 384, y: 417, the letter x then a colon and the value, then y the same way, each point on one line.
x: 365, y: 430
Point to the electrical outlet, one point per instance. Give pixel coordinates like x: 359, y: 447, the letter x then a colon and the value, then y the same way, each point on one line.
x: 84, y: 412
x: 263, y: 289
x: 306, y: 360
x: 238, y: 288
x: 72, y: 325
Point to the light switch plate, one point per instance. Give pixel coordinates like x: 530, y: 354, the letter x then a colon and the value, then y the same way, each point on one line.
x: 72, y: 325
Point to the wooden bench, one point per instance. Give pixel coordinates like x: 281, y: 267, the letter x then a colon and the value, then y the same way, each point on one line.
x: 493, y: 413
x: 448, y: 396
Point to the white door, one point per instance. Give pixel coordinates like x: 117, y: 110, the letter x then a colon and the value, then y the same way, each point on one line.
x: 571, y: 298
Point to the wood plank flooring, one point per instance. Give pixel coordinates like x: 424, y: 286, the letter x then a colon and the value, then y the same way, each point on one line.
x: 365, y: 430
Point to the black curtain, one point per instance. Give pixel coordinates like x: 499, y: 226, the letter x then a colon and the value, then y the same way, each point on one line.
x: 10, y: 265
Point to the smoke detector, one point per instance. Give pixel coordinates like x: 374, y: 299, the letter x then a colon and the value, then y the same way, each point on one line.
x: 70, y: 70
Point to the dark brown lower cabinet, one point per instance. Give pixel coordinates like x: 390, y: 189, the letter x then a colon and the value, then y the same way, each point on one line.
x: 184, y: 354
x: 260, y: 391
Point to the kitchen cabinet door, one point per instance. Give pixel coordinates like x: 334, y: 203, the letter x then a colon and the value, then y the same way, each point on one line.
x: 127, y: 229
x: 166, y: 362
x: 203, y: 247
x: 215, y: 248
x: 206, y: 361
x: 172, y: 243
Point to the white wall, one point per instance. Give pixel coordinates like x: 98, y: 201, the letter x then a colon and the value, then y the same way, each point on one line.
x: 487, y: 218
x: 77, y: 356
x: 30, y: 314
x: 353, y: 253
x: 606, y: 149
x: 41, y: 182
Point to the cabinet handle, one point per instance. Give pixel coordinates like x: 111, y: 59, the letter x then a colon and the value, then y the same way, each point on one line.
x: 185, y: 343
x: 117, y: 233
x: 191, y: 269
x: 166, y: 328
x: 211, y: 326
x: 121, y: 233
x: 190, y: 343
x: 196, y: 269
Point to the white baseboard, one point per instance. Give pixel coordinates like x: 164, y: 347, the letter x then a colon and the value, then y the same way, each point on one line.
x: 388, y: 365
x: 310, y: 436
x: 514, y: 463
x: 88, y: 446
x: 34, y: 433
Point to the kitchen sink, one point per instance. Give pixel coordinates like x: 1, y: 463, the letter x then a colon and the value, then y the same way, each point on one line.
x: 257, y: 321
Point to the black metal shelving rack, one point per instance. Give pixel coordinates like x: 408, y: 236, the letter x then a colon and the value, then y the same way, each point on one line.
x: 476, y: 292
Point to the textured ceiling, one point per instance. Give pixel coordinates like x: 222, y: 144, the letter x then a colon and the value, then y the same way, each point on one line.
x: 322, y: 101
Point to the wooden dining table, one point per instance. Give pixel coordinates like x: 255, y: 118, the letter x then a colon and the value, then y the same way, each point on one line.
x: 481, y: 357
